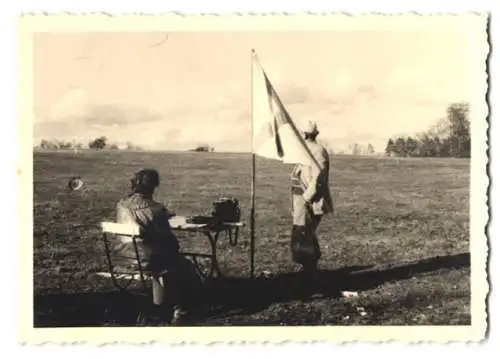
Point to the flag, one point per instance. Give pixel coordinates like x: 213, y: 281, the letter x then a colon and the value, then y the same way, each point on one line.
x: 275, y: 136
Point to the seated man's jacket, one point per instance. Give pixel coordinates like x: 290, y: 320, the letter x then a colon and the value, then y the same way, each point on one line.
x: 157, y: 241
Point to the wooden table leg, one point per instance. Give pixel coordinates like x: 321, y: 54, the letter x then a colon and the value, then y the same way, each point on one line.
x: 214, y: 268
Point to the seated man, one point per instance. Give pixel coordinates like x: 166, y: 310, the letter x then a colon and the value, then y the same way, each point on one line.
x: 159, y: 249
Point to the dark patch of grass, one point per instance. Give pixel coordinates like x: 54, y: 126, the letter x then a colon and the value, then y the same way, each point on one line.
x: 393, y: 216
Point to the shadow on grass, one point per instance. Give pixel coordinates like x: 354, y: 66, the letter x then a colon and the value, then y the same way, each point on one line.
x: 236, y: 296
x: 246, y: 296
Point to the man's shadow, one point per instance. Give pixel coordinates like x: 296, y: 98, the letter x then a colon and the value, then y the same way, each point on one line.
x: 247, y: 296
x: 232, y: 296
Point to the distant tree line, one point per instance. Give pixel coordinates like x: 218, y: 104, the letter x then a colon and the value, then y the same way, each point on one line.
x: 99, y: 143
x: 357, y: 149
x: 449, y: 138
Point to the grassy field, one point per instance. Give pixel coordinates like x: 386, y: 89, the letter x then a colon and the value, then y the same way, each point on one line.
x: 399, y: 237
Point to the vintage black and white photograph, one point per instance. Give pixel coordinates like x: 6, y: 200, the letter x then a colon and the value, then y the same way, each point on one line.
x: 316, y: 173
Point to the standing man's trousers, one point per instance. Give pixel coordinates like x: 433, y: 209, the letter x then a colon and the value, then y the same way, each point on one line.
x: 304, y: 243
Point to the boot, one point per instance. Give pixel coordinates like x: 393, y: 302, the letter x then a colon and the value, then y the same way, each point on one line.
x: 178, y: 316
x: 296, y: 243
x: 158, y: 315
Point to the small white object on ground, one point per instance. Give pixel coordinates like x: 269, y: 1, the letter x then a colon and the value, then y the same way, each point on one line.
x: 361, y: 310
x: 266, y: 273
x: 347, y: 294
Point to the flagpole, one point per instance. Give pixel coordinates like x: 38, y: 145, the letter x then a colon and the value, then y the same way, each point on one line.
x: 252, y: 186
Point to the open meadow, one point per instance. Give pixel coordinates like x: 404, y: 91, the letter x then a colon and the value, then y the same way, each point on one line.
x: 399, y: 237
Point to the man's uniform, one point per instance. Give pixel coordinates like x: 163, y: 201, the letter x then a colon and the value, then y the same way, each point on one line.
x: 159, y: 245
x: 311, y: 199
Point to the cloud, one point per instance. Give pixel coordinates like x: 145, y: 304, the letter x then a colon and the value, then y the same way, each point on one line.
x: 85, y: 121
x: 358, y: 86
x: 111, y: 115
x: 73, y: 103
x: 293, y: 94
x: 75, y: 107
x: 224, y: 120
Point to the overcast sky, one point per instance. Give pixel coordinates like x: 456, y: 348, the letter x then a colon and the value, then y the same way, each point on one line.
x: 177, y: 91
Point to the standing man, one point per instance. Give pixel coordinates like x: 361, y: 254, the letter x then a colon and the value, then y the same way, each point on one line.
x: 311, y: 199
